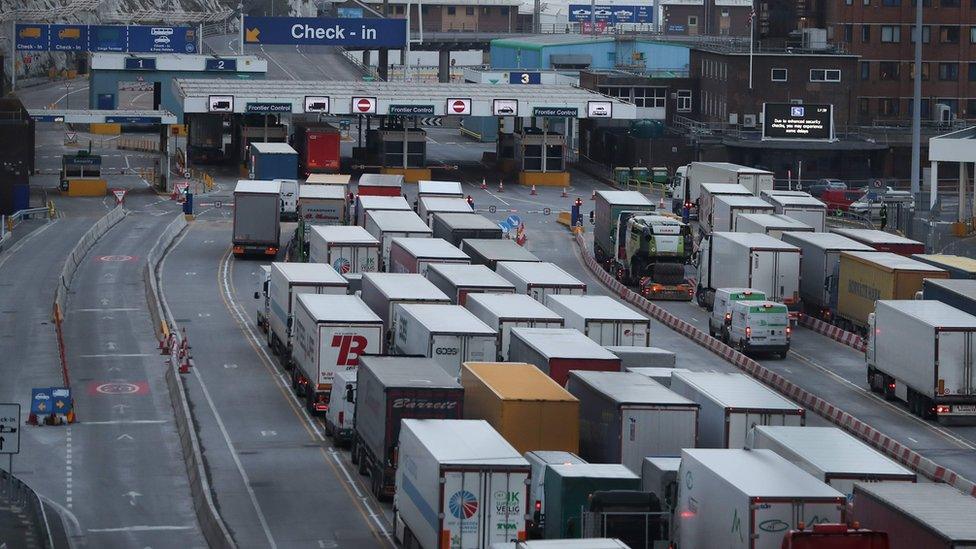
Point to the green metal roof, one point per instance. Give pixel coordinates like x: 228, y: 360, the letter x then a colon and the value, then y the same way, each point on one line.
x: 542, y: 40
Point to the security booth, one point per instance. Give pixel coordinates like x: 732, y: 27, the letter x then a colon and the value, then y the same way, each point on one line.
x: 81, y: 174
x: 387, y: 143
x: 540, y: 151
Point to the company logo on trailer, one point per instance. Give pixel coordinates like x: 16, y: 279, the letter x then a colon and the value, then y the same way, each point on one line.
x: 507, y: 503
x: 350, y: 347
x: 463, y: 504
x: 342, y: 265
x: 423, y: 404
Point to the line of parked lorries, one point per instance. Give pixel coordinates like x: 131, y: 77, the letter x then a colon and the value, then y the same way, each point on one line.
x: 498, y: 404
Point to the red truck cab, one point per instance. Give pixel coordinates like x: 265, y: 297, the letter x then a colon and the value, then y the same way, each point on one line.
x: 834, y: 536
x: 837, y: 199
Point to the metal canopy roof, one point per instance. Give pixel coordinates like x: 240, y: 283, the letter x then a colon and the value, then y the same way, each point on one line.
x: 195, y: 95
x: 86, y: 116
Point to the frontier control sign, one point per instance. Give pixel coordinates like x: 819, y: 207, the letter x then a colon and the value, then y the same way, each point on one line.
x: 798, y: 122
x: 325, y: 31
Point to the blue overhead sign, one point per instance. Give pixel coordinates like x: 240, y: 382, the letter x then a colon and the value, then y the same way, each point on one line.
x: 611, y: 14
x: 133, y: 120
x: 68, y: 37
x: 325, y: 31
x: 108, y: 38
x: 32, y: 37
x: 221, y: 65
x: 524, y: 78
x: 136, y: 39
x: 351, y: 13
x: 162, y: 39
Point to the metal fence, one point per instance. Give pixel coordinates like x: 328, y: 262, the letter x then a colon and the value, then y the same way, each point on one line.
x: 15, y: 493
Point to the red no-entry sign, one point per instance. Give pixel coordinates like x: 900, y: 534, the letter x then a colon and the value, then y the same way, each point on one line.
x: 459, y: 106
x: 364, y: 105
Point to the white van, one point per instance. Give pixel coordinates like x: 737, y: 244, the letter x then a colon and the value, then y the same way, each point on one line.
x: 289, y: 198
x: 721, y: 317
x: 760, y: 326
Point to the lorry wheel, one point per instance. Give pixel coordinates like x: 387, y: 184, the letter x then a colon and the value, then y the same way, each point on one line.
x: 329, y: 431
x: 353, y: 451
x: 363, y: 465
x: 700, y: 296
x: 873, y: 380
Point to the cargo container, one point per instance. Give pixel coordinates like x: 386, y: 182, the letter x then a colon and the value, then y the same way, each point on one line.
x: 414, y: 255
x: 929, y: 515
x: 960, y: 294
x: 800, y: 206
x: 439, y: 188
x: 747, y: 499
x: 829, y: 454
x: 331, y: 333
x: 461, y: 485
x: 506, y: 311
x: 523, y: 404
x: 382, y: 292
x: 368, y: 203
x: 539, y: 279
x: 689, y: 178
x: 540, y: 461
x: 455, y: 227
x: 957, y: 266
x: 257, y: 223
x: 322, y: 204
x: 490, y: 252
x: 460, y: 280
x: 922, y: 353
x: 340, y: 417
x: 288, y: 281
x: 706, y: 200
x: 820, y: 268
x: 866, y: 277
x: 726, y: 210
x: 341, y: 179
x: 731, y: 404
x: 556, y: 351
x: 659, y: 475
x: 427, y: 206
x: 660, y: 375
x: 639, y: 357
x: 772, y: 224
x: 611, y: 212
x: 377, y: 184
x: 625, y: 417
x: 349, y: 249
x: 391, y: 389
x: 569, y: 487
x: 748, y: 260
x: 883, y: 241
x: 317, y: 144
x: 272, y: 161
x: 449, y: 334
x: 602, y: 319
x: 387, y: 225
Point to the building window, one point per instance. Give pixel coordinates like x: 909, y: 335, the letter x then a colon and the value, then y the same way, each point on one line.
x: 504, y: 11
x: 972, y: 35
x: 925, y: 71
x: 949, y: 3
x: 889, y: 70
x: 865, y: 70
x: 485, y: 11
x: 925, y: 3
x: 866, y: 2
x: 692, y: 21
x: 948, y: 35
x: 451, y: 10
x: 778, y: 75
x: 972, y: 72
x: 650, y: 97
x: 948, y: 71
x: 863, y: 106
x: 469, y: 10
x: 865, y: 33
x: 825, y: 75
x: 970, y: 108
x: 891, y: 3
x: 684, y: 101
x: 890, y: 33
x: 926, y: 34
x: 851, y: 2
x: 848, y: 33
x: 887, y: 106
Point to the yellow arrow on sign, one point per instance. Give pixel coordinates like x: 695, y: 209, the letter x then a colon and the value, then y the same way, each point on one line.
x: 251, y: 35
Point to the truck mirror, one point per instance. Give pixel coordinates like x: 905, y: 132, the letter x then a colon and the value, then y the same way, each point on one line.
x: 349, y: 395
x: 257, y: 295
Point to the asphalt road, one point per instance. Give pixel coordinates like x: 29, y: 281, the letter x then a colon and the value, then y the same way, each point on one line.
x: 292, y: 62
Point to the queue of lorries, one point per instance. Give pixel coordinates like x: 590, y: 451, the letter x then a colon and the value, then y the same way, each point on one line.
x: 498, y: 404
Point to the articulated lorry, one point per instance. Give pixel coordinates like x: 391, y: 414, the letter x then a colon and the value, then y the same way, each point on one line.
x: 287, y: 282
x: 257, y: 223
x: 748, y: 260
x: 688, y: 180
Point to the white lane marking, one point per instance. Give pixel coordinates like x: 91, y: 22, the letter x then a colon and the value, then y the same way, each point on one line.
x: 913, y: 440
x: 126, y: 422
x: 68, y: 482
x: 277, y: 64
x: 139, y: 529
x: 72, y: 92
x: 107, y: 310
x: 120, y: 355
x: 220, y: 422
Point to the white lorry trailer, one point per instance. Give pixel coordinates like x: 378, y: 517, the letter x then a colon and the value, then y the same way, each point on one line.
x: 706, y: 200
x: 688, y: 180
x: 322, y: 205
x: 349, y: 249
x: 449, y: 334
x: 731, y: 404
x: 748, y: 260
x: 539, y: 279
x: 427, y: 187
x: 459, y: 281
x: 502, y: 312
x: 726, y: 210
x: 820, y: 268
x: 458, y: 484
x: 288, y: 281
x: 386, y: 225
x: 772, y: 224
x: 602, y: 319
x: 368, y: 203
x: 382, y: 292
x: 414, y: 255
x: 257, y: 223
x: 799, y: 205
x: 921, y: 352
x: 427, y: 206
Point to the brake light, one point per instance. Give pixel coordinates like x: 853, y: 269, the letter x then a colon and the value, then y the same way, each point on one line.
x: 538, y: 505
x: 728, y: 317
x: 943, y: 409
x: 891, y: 385
x: 321, y: 402
x: 788, y: 331
x: 271, y: 250
x: 748, y: 331
x: 238, y: 249
x: 687, y: 514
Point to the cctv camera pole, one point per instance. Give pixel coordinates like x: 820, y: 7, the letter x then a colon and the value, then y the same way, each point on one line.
x: 13, y: 56
x: 593, y: 17
x: 917, y: 105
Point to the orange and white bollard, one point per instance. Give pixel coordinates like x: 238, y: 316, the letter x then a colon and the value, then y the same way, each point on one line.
x: 484, y: 184
x: 660, y: 204
x: 501, y: 186
x: 532, y: 192
x: 564, y: 193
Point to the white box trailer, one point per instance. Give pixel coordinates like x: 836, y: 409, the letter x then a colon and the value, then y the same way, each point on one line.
x: 632, y: 356
x: 455, y: 227
x: 539, y: 279
x: 458, y: 484
x: 820, y: 267
x: 322, y: 204
x: 257, y: 223
x: 799, y: 205
x: 331, y: 333
x: 772, y: 224
x: 830, y: 455
x: 449, y: 334
x: 287, y: 282
x: 625, y: 417
x: 382, y: 292
x: 726, y: 210
x: 491, y: 251
x: 556, y: 351
x: 660, y: 476
x: 386, y: 225
x: 338, y: 179
x: 731, y: 404
x: 747, y: 499
x: 506, y: 311
x: 368, y: 203
x: 460, y: 280
x: 691, y: 177
x: 450, y: 189
x: 748, y: 260
x: 658, y: 374
x: 348, y: 248
x: 427, y: 206
x: 921, y: 352
x: 414, y: 255
x: 602, y: 319
x: 706, y: 200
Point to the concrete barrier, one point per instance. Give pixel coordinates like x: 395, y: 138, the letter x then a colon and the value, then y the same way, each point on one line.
x: 80, y: 250
x: 211, y: 523
x: 821, y: 407
x: 850, y: 339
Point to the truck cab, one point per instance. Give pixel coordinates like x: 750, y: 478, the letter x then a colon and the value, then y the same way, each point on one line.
x: 760, y: 327
x: 679, y: 190
x: 289, y: 199
x: 264, y: 309
x: 721, y: 316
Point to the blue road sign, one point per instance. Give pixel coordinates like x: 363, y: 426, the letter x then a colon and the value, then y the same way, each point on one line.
x: 524, y: 78
x: 108, y: 38
x: 140, y: 63
x: 221, y: 65
x: 47, y: 118
x: 325, y: 31
x: 148, y: 39
x: 505, y: 227
x: 513, y: 220
x: 61, y: 401
x: 41, y: 400
x: 132, y: 120
x: 32, y: 37
x: 351, y: 13
x: 68, y: 37
x: 612, y: 14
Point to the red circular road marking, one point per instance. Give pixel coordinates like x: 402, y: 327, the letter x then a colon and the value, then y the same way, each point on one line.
x: 115, y: 258
x: 118, y: 388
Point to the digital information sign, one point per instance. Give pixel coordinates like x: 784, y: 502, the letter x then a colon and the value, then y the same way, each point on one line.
x: 799, y: 122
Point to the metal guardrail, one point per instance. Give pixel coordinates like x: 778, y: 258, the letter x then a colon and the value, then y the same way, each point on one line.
x: 9, y: 222
x: 16, y: 492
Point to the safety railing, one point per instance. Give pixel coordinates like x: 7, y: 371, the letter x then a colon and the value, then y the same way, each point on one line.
x: 16, y: 493
x: 9, y: 222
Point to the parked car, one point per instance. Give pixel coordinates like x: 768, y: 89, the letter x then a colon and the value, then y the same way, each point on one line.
x: 869, y: 205
x: 817, y: 188
x: 837, y: 199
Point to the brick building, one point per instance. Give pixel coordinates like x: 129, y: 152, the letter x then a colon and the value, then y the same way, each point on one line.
x: 457, y: 15
x: 706, y: 17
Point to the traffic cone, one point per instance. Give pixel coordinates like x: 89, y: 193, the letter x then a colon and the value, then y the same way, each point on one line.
x: 484, y: 184
x: 32, y: 419
x: 660, y: 204
x: 533, y: 190
x: 501, y: 186
x: 71, y: 416
x: 564, y: 193
x: 593, y: 196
